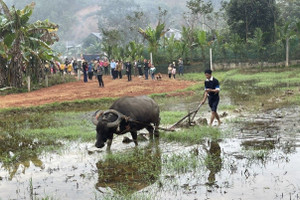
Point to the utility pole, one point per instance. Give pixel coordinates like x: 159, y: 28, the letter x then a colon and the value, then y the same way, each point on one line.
x: 210, y: 59
x: 151, y: 58
x: 210, y: 53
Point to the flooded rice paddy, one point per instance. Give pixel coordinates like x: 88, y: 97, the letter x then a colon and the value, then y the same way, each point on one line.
x: 255, y: 157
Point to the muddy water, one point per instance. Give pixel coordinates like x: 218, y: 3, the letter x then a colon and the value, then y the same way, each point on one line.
x: 258, y: 161
x: 257, y: 158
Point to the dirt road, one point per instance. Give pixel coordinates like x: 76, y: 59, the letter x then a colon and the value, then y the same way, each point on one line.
x: 90, y: 90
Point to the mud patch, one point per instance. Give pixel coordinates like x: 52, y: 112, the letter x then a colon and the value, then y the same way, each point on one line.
x: 257, y: 159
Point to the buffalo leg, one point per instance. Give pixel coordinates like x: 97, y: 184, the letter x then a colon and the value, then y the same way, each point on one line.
x: 156, y: 133
x: 134, y: 137
x: 109, y: 141
x: 150, y: 130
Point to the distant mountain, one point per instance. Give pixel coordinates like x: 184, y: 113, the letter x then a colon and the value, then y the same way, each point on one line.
x: 78, y: 18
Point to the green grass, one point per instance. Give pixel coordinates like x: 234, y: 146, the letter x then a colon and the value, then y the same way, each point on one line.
x: 77, y: 105
x: 44, y: 126
x: 268, y: 78
x: 275, y: 77
x: 183, y: 163
x: 171, y: 117
x: 27, y: 135
x: 70, y: 126
x: 295, y: 99
x: 227, y: 107
x: 192, y: 135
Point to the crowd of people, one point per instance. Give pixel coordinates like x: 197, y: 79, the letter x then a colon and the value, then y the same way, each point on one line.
x: 115, y: 68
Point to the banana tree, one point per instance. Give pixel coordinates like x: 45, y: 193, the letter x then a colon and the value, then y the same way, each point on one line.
x: 171, y: 48
x: 188, y: 41
x: 26, y: 44
x: 182, y: 49
x: 107, y: 50
x: 134, y: 50
x: 202, y: 42
x: 235, y: 44
x: 118, y: 53
x: 221, y: 46
x: 153, y: 36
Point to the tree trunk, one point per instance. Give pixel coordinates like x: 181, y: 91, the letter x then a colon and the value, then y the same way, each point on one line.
x: 15, y: 74
x: 3, y: 72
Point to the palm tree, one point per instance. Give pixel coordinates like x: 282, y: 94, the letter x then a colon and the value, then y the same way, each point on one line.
x: 287, y: 33
x: 153, y: 36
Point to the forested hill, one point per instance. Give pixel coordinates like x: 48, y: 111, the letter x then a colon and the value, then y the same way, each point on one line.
x: 77, y: 18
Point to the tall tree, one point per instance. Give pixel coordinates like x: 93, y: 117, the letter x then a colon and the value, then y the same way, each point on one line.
x: 289, y: 10
x: 199, y: 12
x: 286, y: 33
x: 244, y: 16
x: 122, y: 16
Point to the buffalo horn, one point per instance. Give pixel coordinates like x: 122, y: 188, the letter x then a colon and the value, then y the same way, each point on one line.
x: 118, y: 120
x: 96, y: 116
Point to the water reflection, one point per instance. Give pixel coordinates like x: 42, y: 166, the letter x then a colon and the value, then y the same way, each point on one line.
x: 18, y: 152
x: 130, y: 171
x: 22, y: 166
x: 213, y: 162
x: 246, y: 91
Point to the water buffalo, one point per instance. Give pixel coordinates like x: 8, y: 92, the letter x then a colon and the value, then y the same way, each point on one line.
x: 127, y: 114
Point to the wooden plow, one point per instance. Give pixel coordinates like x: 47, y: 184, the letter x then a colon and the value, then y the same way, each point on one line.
x: 191, y: 116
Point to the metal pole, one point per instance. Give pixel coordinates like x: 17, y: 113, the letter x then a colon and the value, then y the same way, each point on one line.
x: 28, y: 83
x: 46, y: 80
x: 210, y: 59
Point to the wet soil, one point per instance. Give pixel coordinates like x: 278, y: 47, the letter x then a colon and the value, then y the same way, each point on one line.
x: 91, y: 90
x: 256, y: 158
